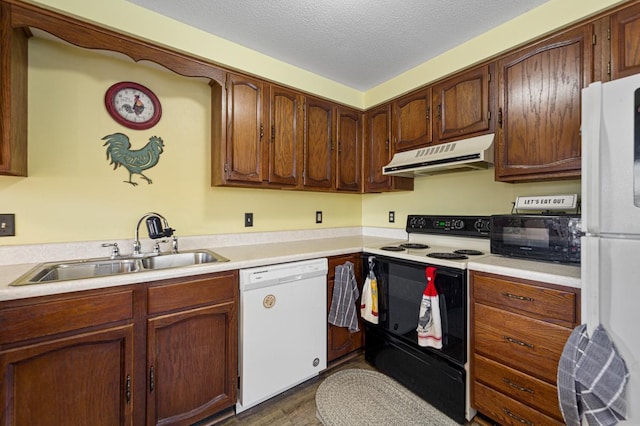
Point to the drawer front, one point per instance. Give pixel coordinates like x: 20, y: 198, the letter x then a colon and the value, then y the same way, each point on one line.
x: 542, y: 301
x: 519, y: 386
x: 523, y: 343
x: 192, y: 292
x: 508, y: 411
x: 53, y: 317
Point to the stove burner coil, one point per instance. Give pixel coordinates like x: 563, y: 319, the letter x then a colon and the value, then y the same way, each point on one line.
x: 453, y: 256
x: 392, y: 248
x: 469, y: 252
x: 415, y: 246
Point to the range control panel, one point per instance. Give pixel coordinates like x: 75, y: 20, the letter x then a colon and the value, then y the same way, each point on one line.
x: 469, y: 226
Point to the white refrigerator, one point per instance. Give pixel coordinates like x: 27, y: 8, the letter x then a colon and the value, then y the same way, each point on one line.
x: 611, y: 221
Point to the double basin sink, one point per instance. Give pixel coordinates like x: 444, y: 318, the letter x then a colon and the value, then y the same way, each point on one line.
x: 92, y: 268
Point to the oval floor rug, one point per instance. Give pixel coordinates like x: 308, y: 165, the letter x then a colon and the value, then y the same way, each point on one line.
x: 357, y: 397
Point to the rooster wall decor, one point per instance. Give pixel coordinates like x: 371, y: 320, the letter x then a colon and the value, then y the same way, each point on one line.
x: 121, y: 154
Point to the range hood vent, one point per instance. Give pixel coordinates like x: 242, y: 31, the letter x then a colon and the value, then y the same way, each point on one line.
x: 467, y: 154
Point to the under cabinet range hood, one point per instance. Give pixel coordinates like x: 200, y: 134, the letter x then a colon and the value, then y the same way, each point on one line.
x: 467, y: 154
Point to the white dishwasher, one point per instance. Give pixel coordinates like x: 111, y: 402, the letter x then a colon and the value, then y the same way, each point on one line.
x: 282, y: 330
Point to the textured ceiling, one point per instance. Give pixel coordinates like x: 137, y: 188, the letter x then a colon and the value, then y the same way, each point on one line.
x: 360, y: 43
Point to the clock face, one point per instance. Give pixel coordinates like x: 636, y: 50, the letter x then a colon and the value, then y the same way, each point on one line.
x: 133, y: 105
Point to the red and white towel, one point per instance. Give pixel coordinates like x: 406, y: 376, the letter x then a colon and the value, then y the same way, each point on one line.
x: 369, y: 300
x: 429, y: 320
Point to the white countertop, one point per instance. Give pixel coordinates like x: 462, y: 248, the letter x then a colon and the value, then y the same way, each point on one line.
x: 251, y: 250
x: 241, y: 256
x: 552, y: 273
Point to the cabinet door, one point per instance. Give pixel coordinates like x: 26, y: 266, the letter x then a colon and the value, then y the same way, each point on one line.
x: 339, y: 340
x: 13, y: 97
x: 464, y: 104
x: 412, y: 120
x: 349, y: 137
x: 540, y: 101
x: 625, y: 42
x: 191, y: 364
x: 318, y: 144
x: 83, y: 379
x: 244, y: 129
x: 377, y: 152
x: 287, y: 133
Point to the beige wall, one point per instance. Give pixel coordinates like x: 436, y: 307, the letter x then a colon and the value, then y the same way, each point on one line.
x: 73, y: 194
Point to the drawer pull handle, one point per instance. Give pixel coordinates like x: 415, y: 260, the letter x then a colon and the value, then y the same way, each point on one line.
x: 516, y: 386
x: 515, y: 296
x: 518, y: 342
x: 518, y: 418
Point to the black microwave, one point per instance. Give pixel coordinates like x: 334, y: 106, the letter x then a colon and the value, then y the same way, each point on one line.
x: 554, y: 238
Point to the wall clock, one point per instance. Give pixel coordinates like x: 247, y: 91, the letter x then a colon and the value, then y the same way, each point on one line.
x: 133, y: 105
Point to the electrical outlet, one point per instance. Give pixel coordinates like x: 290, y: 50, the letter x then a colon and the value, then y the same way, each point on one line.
x: 248, y: 220
x: 392, y: 217
x: 7, y: 225
x: 318, y: 217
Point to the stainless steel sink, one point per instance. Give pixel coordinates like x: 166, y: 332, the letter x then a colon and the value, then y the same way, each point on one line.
x: 93, y: 268
x: 177, y: 260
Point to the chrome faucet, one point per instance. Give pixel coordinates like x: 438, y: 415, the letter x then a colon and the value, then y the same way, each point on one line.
x: 156, y: 230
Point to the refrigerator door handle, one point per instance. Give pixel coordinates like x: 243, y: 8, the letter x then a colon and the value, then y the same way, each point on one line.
x: 590, y: 273
x: 591, y: 128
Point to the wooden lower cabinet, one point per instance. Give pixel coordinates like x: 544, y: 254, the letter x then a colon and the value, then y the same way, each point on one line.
x: 86, y: 358
x: 340, y: 341
x: 518, y: 331
x: 192, y: 350
x: 84, y: 379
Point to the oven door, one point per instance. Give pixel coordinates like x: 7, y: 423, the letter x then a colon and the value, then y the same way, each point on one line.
x: 400, y: 288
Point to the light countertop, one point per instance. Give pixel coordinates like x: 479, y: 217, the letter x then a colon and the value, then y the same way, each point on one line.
x: 241, y: 256
x: 552, y: 273
x: 259, y: 250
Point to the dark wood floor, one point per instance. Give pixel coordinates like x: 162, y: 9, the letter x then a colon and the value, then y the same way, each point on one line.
x: 297, y: 406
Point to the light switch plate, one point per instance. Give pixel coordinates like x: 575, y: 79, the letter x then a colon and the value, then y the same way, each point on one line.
x: 318, y: 217
x: 7, y: 225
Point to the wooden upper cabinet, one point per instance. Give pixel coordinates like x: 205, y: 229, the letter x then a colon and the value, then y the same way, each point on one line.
x: 625, y: 42
x: 464, y: 104
x: 412, y: 120
x: 13, y: 96
x: 244, y: 129
x: 539, y: 107
x: 378, y: 152
x: 348, y: 157
x: 377, y: 149
x: 286, y: 136
x: 318, y: 144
